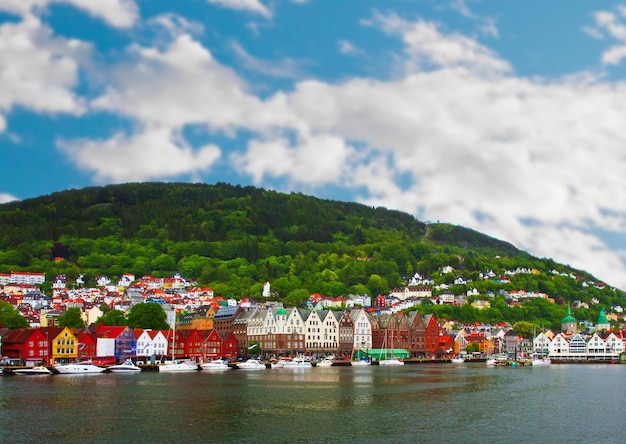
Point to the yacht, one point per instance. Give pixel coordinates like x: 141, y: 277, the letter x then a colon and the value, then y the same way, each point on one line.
x: 251, y: 364
x: 127, y: 366
x: 297, y: 362
x: 36, y: 370
x: 79, y: 368
x: 215, y: 365
x: 178, y: 365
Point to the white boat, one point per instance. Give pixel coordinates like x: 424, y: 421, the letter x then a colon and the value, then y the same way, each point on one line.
x: 458, y: 360
x: 31, y: 371
x: 215, y: 365
x: 78, y: 368
x: 297, y: 362
x: 538, y: 362
x: 389, y: 359
x: 251, y: 364
x: 491, y: 362
x: 179, y: 365
x: 127, y: 366
x: 360, y: 362
x: 326, y: 362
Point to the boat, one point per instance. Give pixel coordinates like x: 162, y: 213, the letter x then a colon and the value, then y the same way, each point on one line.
x: 31, y: 371
x: 127, y: 366
x: 297, y: 362
x: 251, y: 364
x: 215, y: 365
x: 541, y: 361
x: 389, y: 360
x: 179, y: 365
x: 78, y: 368
x: 458, y: 360
x: 491, y: 362
x: 360, y: 362
x: 325, y: 362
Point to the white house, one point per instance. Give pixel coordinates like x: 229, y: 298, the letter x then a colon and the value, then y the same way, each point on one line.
x: 362, y: 330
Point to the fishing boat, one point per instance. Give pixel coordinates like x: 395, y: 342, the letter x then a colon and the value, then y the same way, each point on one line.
x: 79, y: 368
x: 32, y: 371
x: 127, y: 366
x: 251, y: 364
x: 215, y: 365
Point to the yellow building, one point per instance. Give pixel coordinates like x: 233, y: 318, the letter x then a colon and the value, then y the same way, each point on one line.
x: 63, y: 344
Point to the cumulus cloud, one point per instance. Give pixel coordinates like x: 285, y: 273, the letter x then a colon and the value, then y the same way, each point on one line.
x: 478, y: 146
x: 612, y: 24
x: 244, y: 5
x: 118, y: 13
x: 37, y: 70
x: 153, y: 154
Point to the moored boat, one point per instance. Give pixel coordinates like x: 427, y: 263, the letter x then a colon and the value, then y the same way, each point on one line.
x: 178, y: 365
x: 127, y: 366
x: 215, y: 365
x: 251, y: 364
x: 297, y: 362
x: 79, y: 368
x: 540, y: 362
x: 32, y: 371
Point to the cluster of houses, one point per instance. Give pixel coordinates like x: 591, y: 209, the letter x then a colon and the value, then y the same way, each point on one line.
x: 273, y: 331
x: 210, y: 326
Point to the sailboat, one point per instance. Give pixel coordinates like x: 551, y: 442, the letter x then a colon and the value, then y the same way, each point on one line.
x: 389, y: 360
x: 539, y: 360
x: 178, y: 365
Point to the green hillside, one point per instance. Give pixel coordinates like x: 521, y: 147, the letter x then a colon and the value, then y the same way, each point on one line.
x: 235, y: 238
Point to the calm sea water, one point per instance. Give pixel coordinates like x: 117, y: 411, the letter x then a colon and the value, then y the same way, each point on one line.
x: 413, y: 403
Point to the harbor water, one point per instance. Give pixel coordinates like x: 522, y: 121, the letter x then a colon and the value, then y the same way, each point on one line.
x: 411, y: 403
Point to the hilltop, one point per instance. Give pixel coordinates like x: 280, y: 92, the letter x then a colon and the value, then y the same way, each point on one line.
x: 235, y: 238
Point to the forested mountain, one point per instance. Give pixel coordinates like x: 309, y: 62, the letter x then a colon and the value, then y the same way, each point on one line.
x: 235, y: 238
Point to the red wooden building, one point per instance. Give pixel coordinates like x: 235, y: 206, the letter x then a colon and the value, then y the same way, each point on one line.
x: 29, y: 345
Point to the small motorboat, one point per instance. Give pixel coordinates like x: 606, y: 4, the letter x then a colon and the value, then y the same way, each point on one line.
x: 33, y: 371
x: 215, y: 365
x: 79, y: 368
x: 127, y: 366
x: 251, y: 364
x: 179, y: 365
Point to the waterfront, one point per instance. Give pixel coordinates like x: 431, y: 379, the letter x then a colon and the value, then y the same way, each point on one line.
x: 418, y: 403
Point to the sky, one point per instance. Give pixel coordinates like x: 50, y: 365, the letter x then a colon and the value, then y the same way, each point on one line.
x: 506, y: 117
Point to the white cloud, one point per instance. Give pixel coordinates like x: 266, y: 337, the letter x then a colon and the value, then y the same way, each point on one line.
x: 479, y: 146
x: 283, y: 69
x: 6, y: 197
x: 427, y: 47
x: 345, y: 47
x: 153, y: 154
x: 611, y: 24
x: 118, y: 13
x: 244, y: 5
x: 37, y: 70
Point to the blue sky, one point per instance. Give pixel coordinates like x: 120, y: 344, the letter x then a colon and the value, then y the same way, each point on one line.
x: 506, y: 117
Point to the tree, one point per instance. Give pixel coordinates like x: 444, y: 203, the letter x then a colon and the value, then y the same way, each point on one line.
x: 113, y: 317
x: 148, y: 315
x: 72, y: 318
x: 472, y: 348
x: 524, y: 329
x: 10, y: 317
